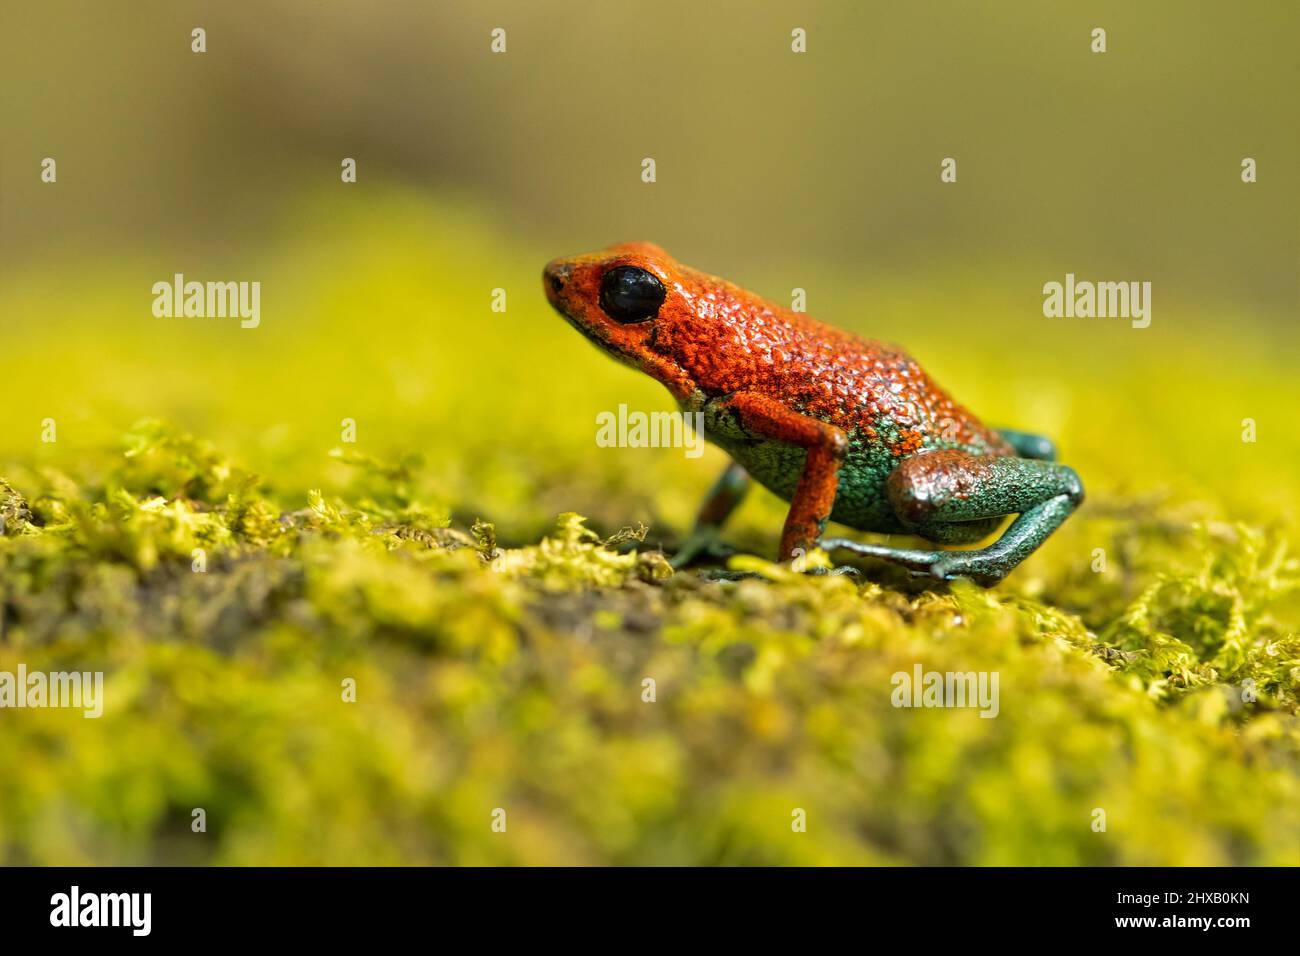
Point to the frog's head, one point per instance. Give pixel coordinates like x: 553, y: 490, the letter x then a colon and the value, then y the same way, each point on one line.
x: 617, y: 298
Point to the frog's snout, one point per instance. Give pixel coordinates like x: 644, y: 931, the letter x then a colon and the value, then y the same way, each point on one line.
x: 556, y: 275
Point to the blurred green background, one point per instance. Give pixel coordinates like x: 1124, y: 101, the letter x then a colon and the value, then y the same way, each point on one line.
x: 775, y: 170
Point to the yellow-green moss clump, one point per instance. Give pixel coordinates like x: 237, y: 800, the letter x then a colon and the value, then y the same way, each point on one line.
x: 489, y: 677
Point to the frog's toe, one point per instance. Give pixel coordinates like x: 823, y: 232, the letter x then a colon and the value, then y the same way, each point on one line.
x: 983, y: 571
x: 842, y: 570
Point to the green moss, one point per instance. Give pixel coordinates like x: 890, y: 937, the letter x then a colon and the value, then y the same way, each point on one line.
x: 500, y: 653
x: 1163, y: 691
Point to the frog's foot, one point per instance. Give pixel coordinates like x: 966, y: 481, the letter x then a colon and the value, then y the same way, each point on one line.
x: 918, y: 562
x: 973, y: 565
x: 987, y: 566
x: 723, y: 498
x: 950, y: 496
x: 840, y: 570
x: 985, y: 570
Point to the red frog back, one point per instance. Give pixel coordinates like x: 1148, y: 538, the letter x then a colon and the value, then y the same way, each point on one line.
x: 710, y: 336
x: 844, y: 428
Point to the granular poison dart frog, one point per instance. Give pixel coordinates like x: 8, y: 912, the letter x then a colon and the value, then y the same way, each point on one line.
x: 843, y: 428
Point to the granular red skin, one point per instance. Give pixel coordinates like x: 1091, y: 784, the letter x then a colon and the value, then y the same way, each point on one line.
x: 716, y: 337
x: 844, y: 428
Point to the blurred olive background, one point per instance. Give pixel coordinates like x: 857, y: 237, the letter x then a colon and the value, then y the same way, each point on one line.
x: 776, y: 170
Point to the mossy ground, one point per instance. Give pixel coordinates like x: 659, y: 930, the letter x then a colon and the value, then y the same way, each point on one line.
x: 499, y: 644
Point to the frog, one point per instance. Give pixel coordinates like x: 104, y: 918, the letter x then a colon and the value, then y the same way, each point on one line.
x: 844, y: 428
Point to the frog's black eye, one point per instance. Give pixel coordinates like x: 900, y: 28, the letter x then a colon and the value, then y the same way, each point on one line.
x: 629, y: 294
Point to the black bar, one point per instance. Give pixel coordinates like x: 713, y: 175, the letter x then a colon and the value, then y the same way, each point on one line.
x: 330, y: 906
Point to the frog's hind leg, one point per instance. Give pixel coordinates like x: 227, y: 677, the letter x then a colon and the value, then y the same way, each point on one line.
x: 723, y: 498
x: 1029, y: 445
x: 936, y: 493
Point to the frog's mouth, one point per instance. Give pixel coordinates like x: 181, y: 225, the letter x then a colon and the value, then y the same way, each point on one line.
x: 643, y: 358
x: 612, y: 351
x: 555, y: 279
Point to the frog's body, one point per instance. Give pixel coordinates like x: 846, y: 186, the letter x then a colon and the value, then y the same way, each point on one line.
x: 843, y: 427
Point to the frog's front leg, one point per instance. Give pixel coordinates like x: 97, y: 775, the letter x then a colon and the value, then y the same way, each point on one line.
x: 942, y: 494
x: 723, y: 498
x: 814, y: 495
